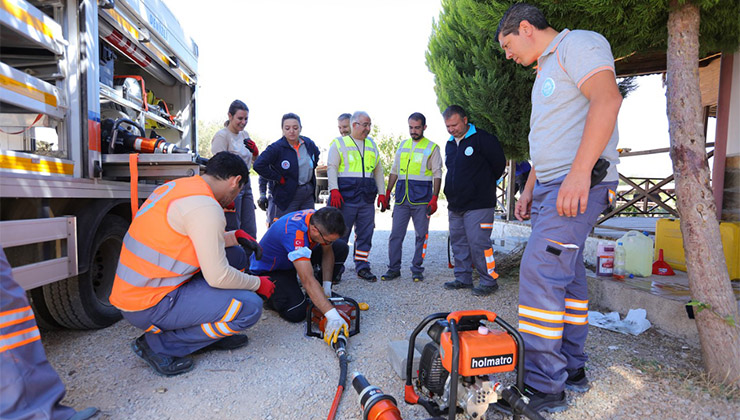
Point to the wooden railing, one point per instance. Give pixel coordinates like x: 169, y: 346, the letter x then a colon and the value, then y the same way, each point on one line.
x: 635, y: 196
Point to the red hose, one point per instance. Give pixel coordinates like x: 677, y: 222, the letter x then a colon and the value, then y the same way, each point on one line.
x: 335, y: 404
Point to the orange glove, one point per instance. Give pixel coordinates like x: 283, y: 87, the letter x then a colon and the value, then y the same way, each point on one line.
x: 336, y: 199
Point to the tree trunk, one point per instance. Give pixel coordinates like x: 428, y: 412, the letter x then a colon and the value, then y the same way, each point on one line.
x: 709, y: 282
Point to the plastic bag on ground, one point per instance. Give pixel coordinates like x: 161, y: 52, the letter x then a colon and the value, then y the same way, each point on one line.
x: 634, y: 323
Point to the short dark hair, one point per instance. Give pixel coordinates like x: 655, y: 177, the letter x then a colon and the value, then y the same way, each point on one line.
x: 514, y: 15
x: 330, y: 219
x: 224, y: 165
x: 418, y: 116
x: 454, y: 109
x: 344, y: 116
x: 291, y: 116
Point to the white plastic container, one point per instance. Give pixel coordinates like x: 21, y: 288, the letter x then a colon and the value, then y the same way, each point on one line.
x: 619, y: 257
x: 638, y: 249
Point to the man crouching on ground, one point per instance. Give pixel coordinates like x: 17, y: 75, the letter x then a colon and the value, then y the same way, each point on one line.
x: 177, y: 280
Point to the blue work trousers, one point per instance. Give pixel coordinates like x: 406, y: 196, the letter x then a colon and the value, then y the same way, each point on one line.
x: 401, y: 215
x: 361, y: 217
x: 195, y: 314
x: 302, y: 200
x: 470, y: 237
x: 553, y: 293
x: 31, y: 388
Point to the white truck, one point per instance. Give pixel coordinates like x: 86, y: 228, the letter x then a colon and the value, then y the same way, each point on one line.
x: 97, y: 108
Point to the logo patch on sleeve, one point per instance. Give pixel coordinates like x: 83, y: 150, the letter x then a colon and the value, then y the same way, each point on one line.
x: 299, y: 243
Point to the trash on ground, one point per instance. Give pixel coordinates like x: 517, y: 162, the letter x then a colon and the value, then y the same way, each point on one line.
x: 634, y: 323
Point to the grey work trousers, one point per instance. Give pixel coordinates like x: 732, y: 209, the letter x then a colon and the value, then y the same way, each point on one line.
x: 401, y: 215
x: 470, y: 236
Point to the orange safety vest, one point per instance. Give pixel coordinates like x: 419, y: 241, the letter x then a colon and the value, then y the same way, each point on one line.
x: 155, y: 259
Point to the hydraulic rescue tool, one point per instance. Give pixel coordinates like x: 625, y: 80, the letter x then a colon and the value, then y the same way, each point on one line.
x: 455, y: 367
x: 315, y: 325
x: 117, y: 139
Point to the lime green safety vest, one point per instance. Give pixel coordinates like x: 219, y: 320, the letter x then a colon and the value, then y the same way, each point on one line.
x: 414, y: 172
x: 356, y: 184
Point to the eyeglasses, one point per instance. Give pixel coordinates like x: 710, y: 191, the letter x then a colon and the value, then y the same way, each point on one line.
x: 366, y: 125
x: 325, y: 242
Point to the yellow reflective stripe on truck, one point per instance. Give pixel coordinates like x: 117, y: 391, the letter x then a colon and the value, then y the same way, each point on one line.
x: 36, y: 164
x: 27, y: 90
x: 23, y: 16
x: 123, y: 22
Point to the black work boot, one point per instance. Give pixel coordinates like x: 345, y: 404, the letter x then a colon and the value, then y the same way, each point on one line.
x: 538, y: 401
x: 162, y: 364
x: 577, y: 380
x: 231, y: 342
x: 390, y: 275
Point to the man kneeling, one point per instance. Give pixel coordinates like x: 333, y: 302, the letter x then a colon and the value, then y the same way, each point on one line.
x: 290, y: 249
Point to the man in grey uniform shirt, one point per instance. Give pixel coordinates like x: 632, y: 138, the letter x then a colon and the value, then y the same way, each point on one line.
x: 575, y: 102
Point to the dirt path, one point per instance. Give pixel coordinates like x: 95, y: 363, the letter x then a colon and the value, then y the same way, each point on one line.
x: 282, y: 374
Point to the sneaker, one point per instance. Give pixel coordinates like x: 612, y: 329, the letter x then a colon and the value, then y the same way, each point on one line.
x: 367, y: 275
x: 163, y: 365
x: 390, y: 275
x: 231, y: 342
x: 454, y: 285
x: 577, y: 380
x: 482, y: 290
x: 418, y: 277
x: 538, y: 401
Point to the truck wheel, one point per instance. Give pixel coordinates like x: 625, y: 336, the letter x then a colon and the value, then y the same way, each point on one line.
x: 43, y: 316
x: 82, y: 302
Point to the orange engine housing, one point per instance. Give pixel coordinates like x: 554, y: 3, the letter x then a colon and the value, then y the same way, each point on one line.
x: 480, y: 354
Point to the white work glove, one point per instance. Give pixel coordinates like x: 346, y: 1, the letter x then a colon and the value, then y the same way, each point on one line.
x: 334, y: 326
x: 327, y: 289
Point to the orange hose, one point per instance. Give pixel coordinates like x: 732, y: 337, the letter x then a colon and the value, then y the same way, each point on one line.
x: 335, y: 404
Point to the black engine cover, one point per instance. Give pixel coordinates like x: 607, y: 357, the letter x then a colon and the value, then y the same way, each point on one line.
x: 432, y: 375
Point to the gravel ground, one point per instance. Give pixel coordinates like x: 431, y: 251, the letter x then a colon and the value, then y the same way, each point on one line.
x: 282, y: 374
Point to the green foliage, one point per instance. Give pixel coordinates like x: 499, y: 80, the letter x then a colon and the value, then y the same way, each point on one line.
x: 206, y: 131
x: 471, y: 70
x: 387, y: 145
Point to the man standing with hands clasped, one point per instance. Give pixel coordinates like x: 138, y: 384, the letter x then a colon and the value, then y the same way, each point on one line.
x: 475, y: 161
x: 572, y: 143
x: 418, y: 162
x: 355, y: 177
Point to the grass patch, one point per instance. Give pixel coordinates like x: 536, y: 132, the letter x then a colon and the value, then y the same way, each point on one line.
x: 692, y: 380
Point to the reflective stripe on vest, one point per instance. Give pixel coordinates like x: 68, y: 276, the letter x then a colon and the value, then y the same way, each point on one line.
x: 156, y: 259
x: 413, y: 160
x: 414, y: 157
x: 351, y: 162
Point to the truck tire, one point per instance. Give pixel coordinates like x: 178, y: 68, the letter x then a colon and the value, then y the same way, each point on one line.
x: 82, y: 302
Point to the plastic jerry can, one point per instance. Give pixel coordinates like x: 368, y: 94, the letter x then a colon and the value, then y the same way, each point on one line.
x: 605, y: 260
x: 638, y: 253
